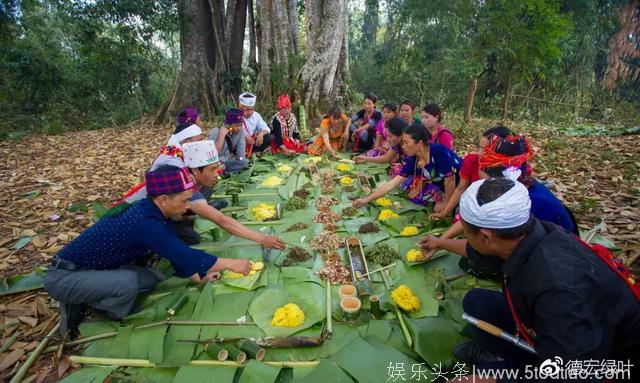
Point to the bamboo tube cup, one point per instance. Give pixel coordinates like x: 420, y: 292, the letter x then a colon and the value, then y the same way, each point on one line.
x: 216, y: 351
x: 350, y: 308
x: 235, y: 353
x: 251, y: 349
x: 347, y: 291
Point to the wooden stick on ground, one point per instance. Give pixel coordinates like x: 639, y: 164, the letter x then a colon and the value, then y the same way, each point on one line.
x: 33, y: 356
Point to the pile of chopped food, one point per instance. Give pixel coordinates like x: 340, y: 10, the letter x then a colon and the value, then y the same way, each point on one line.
x: 335, y: 272
x: 289, y: 315
x: 326, y: 242
x: 296, y: 227
x: 369, y: 227
x: 381, y: 254
x: 326, y: 216
x: 387, y: 214
x: 404, y: 297
x: 264, y: 212
x: 409, y: 231
x: 272, y: 181
x: 295, y: 203
x: 295, y: 255
x: 323, y: 203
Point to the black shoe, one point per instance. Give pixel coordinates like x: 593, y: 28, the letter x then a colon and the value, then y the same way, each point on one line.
x: 473, y: 354
x: 219, y: 204
x: 70, y: 318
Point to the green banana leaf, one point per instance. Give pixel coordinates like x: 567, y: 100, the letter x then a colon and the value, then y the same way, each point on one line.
x: 150, y: 375
x: 367, y: 362
x: 191, y: 374
x: 326, y: 371
x: 258, y: 372
x: 310, y: 297
x: 292, y: 275
x: 423, y: 286
x: 90, y: 375
x: 435, y: 338
x: 248, y: 282
x: 20, y: 283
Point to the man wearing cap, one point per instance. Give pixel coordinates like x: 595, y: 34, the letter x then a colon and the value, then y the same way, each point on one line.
x: 188, y: 128
x: 102, y: 269
x: 202, y: 160
x: 559, y: 294
x: 230, y: 141
x: 257, y: 132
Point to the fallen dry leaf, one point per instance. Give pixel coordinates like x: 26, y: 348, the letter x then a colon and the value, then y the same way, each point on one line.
x: 12, y: 358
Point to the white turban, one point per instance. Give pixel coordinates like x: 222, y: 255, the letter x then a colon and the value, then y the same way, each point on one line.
x: 248, y: 99
x: 511, y: 209
x: 189, y: 132
x: 200, y: 153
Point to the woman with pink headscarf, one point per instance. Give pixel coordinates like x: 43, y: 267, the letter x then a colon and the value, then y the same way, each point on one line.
x: 284, y: 127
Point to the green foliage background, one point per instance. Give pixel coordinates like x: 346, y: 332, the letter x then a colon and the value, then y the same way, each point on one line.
x: 85, y: 65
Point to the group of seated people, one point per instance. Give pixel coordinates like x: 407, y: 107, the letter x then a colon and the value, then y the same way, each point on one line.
x: 565, y: 297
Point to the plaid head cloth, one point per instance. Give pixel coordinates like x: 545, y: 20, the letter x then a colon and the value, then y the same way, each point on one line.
x: 160, y: 183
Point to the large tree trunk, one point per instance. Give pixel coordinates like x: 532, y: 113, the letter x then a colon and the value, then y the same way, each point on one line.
x: 234, y: 44
x: 468, y: 109
x: 294, y: 26
x: 264, y: 78
x: 370, y: 23
x: 326, y: 66
x: 197, y: 83
x: 253, y: 58
x: 275, y: 48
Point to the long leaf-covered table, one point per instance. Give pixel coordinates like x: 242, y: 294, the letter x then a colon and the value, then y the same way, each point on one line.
x: 367, y: 350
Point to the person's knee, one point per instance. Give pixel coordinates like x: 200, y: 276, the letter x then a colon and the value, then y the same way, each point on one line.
x: 125, y: 285
x: 474, y: 301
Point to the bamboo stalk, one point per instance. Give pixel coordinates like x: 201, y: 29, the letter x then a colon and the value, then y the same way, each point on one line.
x: 111, y: 361
x: 454, y: 277
x: 359, y: 276
x: 33, y: 356
x: 329, y: 307
x: 264, y: 223
x: 150, y: 325
x: 405, y: 330
x: 176, y: 304
x: 145, y: 363
x: 9, y: 342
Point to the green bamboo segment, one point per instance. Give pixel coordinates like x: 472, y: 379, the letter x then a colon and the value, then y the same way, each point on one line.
x: 176, y: 304
x: 235, y: 353
x: 251, y: 349
x: 328, y: 305
x: 374, y: 300
x: 216, y: 351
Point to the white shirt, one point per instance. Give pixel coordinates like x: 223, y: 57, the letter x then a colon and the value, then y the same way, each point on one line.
x: 255, y: 124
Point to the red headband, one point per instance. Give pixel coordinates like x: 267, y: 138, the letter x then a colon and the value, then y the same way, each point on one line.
x: 506, y: 152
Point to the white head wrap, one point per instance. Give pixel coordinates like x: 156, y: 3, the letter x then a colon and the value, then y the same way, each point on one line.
x: 200, y: 153
x: 189, y: 132
x: 248, y: 99
x: 511, y: 209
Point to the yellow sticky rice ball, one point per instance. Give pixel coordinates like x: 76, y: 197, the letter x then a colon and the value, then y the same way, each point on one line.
x: 257, y: 266
x: 387, y: 214
x: 414, y: 255
x: 233, y: 275
x: 409, y: 231
x: 263, y: 211
x: 284, y: 168
x: 288, y: 315
x: 272, y: 181
x: 346, y: 180
x: 384, y: 202
x: 315, y: 160
x: 343, y: 167
x: 405, y: 299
